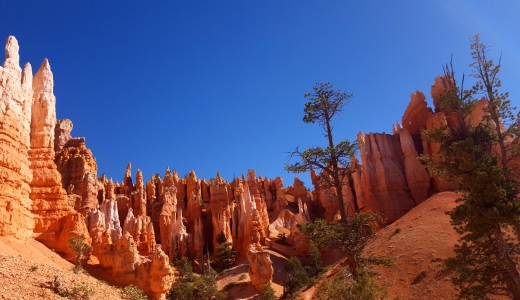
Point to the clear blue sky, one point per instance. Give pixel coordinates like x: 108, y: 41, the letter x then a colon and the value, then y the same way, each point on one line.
x: 218, y: 85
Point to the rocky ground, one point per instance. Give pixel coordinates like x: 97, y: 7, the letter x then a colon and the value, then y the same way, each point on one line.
x: 26, y: 266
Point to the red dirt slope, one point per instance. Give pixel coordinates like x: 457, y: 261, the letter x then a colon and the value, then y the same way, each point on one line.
x: 418, y: 242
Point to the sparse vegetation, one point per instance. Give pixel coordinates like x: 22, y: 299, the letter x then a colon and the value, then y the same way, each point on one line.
x: 34, y: 268
x: 349, y: 287
x: 420, y: 277
x: 282, y: 239
x: 295, y: 276
x: 82, y: 250
x: 78, y: 292
x: 350, y: 238
x: 314, y: 258
x: 229, y: 286
x: 267, y: 293
x: 381, y: 261
x: 131, y: 292
x: 397, y: 230
x: 325, y: 103
x: 225, y: 256
x: 242, y: 277
x: 191, y: 287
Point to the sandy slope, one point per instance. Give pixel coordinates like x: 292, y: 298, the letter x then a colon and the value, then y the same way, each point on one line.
x: 420, y: 241
x: 25, y: 265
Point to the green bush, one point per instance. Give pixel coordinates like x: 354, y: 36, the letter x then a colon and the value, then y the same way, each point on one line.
x: 420, y: 276
x: 229, y: 286
x: 267, y: 293
x: 343, y: 287
x: 131, y: 292
x: 295, y: 276
x: 81, y: 292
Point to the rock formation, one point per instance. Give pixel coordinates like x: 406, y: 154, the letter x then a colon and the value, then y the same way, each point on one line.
x: 73, y: 160
x: 382, y: 176
x: 417, y: 177
x: 16, y: 95
x: 261, y: 268
x: 174, y: 237
x: 152, y: 274
x: 220, y: 210
x: 141, y: 229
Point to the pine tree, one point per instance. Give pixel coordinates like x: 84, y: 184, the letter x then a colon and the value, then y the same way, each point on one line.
x: 267, y: 293
x: 478, y: 155
x: 225, y: 257
x: 314, y: 258
x: 81, y: 248
x: 334, y: 160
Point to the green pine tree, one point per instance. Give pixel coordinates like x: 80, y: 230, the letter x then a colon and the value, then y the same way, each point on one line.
x: 314, y: 258
x: 324, y: 104
x: 225, y: 257
x: 267, y: 293
x: 478, y: 156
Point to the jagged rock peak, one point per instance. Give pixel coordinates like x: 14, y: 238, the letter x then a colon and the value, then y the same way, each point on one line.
x: 12, y: 58
x: 128, y: 172
x: 43, y: 79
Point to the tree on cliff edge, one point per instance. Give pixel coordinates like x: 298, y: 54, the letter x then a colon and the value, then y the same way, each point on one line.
x: 333, y: 160
x: 478, y: 156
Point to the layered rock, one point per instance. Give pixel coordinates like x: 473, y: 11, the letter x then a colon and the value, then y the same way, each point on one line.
x: 383, y: 178
x: 417, y: 177
x: 62, y: 133
x: 151, y: 274
x: 73, y: 160
x: 55, y: 219
x: 16, y: 97
x: 260, y: 268
x: 174, y: 237
x: 141, y: 229
x: 220, y: 210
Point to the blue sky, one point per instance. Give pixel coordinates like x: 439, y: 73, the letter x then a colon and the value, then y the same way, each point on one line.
x: 218, y: 85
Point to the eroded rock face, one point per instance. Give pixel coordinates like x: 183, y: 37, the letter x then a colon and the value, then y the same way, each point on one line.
x: 260, y: 268
x: 152, y: 274
x: 73, y: 159
x: 16, y: 97
x: 172, y: 229
x: 220, y: 211
x: 46, y: 192
x: 382, y: 176
x: 141, y: 229
x: 417, y: 177
x: 62, y: 133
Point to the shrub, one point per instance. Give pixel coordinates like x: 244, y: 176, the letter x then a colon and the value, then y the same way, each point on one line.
x: 344, y: 287
x: 34, y: 268
x: 81, y: 248
x: 131, y: 292
x: 295, y: 276
x: 267, y: 293
x: 242, y: 277
x: 229, y: 286
x: 81, y: 292
x: 420, y: 277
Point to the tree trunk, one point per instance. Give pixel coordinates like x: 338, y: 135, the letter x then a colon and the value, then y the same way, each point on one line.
x: 512, y: 276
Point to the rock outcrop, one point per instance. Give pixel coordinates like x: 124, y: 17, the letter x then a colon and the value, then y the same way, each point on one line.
x: 73, y: 159
x: 174, y: 237
x: 152, y: 274
x: 16, y: 97
x: 141, y: 229
x: 417, y: 177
